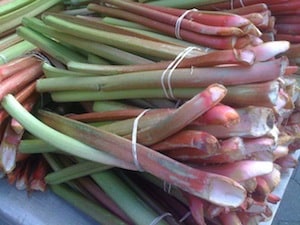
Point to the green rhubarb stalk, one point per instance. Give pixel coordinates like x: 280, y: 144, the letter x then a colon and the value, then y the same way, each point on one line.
x: 125, y: 42
x: 76, y: 96
x: 183, y: 4
x: 14, y: 18
x: 99, y: 195
x: 13, y: 6
x: 203, y: 59
x: 95, y: 59
x: 15, y: 51
x: 181, y: 78
x: 92, y: 209
x: 86, y: 186
x: 55, y: 138
x: 125, y: 23
x: 163, y: 37
x: 52, y: 71
x: 54, y: 163
x: 102, y: 106
x: 56, y: 50
x: 126, y: 198
x: 9, y: 40
x: 259, y: 94
x: 58, y: 162
x: 146, y: 197
x: 96, y: 23
x: 75, y: 171
x: 107, y: 52
x: 32, y: 146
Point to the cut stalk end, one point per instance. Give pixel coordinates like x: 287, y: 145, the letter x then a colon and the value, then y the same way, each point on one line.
x: 226, y: 194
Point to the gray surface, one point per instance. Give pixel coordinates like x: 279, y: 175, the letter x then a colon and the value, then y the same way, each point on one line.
x: 288, y: 212
x: 19, y: 208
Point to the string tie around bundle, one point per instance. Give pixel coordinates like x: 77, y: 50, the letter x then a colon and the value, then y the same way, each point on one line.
x: 39, y: 56
x: 185, y: 216
x: 179, y: 21
x: 232, y: 4
x: 167, y: 187
x: 170, y: 69
x: 3, y: 59
x: 134, y: 140
x: 159, y: 218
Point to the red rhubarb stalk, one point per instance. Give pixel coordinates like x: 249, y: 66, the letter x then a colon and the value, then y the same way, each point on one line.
x: 189, y: 139
x: 37, y: 177
x: 230, y: 218
x: 170, y: 19
x: 254, y: 8
x: 15, y: 66
x: 241, y: 170
x: 152, y: 161
x: 219, y: 115
x: 254, y: 122
x: 217, y: 42
x: 8, y: 148
x: 21, y: 96
x: 195, y: 107
x: 20, y: 79
x: 196, y: 206
x: 270, y: 49
x: 206, y: 17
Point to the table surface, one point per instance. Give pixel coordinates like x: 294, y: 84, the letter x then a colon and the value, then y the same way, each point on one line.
x: 20, y: 208
x: 37, y: 208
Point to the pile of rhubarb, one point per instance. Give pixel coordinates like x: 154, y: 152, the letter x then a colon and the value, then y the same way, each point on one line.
x: 151, y: 112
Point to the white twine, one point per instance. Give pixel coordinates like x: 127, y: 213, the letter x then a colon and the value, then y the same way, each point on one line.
x: 179, y: 21
x: 232, y: 3
x: 159, y: 218
x: 167, y: 187
x: 233, y: 41
x: 39, y: 56
x: 3, y: 58
x: 171, y: 67
x: 185, y: 216
x: 134, y: 138
x: 242, y: 3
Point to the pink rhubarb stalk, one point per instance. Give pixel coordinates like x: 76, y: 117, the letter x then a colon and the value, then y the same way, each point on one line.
x: 216, y: 42
x: 241, y: 170
x: 16, y: 65
x: 219, y: 115
x: 211, y: 18
x: 254, y: 122
x: 8, y: 148
x: 195, y: 182
x: 189, y: 139
x: 191, y: 25
x: 20, y: 79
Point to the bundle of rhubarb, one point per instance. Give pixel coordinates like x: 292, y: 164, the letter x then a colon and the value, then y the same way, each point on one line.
x: 153, y: 115
x: 277, y: 20
x: 20, y: 67
x: 285, y: 21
